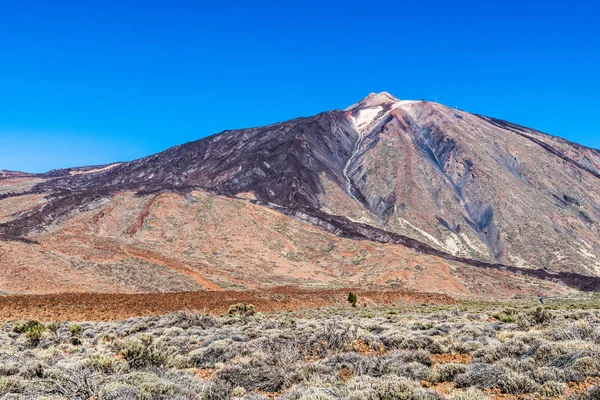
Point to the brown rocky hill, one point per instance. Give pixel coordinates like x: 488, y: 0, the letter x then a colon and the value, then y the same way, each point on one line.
x: 407, y: 194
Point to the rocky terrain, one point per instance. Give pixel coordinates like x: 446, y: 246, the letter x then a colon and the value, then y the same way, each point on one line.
x: 387, y: 193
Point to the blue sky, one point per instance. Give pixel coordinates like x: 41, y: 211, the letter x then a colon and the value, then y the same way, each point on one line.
x: 91, y: 82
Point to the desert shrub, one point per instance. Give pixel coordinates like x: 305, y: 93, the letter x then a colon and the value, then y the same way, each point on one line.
x: 479, y: 375
x: 547, y: 352
x: 32, y: 370
x: 33, y: 331
x: 132, y: 351
x: 136, y: 328
x: 422, y: 325
x: 187, y: 319
x: 53, y: 327
x: 150, y: 385
x: 386, y: 387
x: 448, y: 372
x: 514, y: 383
x: 465, y: 347
x: 393, y: 340
x: 507, y: 318
x: 445, y: 328
x: 25, y: 326
x: 9, y: 368
x: 412, y: 370
x: 540, y: 315
x: 509, y: 315
x: 310, y: 393
x: 74, y: 381
x: 593, y: 393
x: 545, y: 374
x: 10, y: 385
x: 469, y: 394
x: 579, y: 330
x: 173, y: 331
x: 241, y: 310
x: 523, y: 324
x: 215, y: 352
x: 75, y: 341
x: 104, y: 363
x: 269, y: 375
x: 566, y: 360
x: 553, y: 389
x: 74, y: 329
x: 435, y: 332
x: 238, y: 392
x: 156, y: 390
x: 313, y: 371
x: 436, y: 347
x: 34, y: 334
x: 361, y: 365
x: 586, y: 366
x: 145, y: 351
x: 416, y: 343
x: 522, y: 365
x: 332, y: 336
x: 119, y: 391
x: 419, y: 356
x: 512, y: 348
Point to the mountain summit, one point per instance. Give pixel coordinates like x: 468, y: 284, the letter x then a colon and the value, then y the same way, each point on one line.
x: 374, y: 100
x: 446, y: 189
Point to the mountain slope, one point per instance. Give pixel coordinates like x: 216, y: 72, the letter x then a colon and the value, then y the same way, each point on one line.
x: 460, y: 190
x: 483, y: 190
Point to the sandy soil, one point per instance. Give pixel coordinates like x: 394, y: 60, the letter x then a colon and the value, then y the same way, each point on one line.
x: 107, y: 307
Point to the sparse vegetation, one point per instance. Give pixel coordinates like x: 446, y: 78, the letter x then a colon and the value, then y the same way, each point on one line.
x: 465, y: 352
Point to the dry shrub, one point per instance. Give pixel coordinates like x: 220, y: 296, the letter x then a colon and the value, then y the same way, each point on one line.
x: 241, y: 310
x: 514, y: 383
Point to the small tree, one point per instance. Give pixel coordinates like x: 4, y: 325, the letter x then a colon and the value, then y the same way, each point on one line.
x: 352, y: 299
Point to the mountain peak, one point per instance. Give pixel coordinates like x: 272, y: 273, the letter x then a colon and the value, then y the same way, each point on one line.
x: 374, y: 100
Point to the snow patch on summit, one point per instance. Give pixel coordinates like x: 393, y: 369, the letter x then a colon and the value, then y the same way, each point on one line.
x: 365, y: 117
x: 374, y: 107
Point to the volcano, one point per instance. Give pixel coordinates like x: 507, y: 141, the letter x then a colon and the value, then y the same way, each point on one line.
x: 385, y: 193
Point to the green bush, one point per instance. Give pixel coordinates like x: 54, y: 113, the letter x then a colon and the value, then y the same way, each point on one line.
x: 25, y: 326
x: 508, y: 316
x: 32, y: 329
x: 75, y: 329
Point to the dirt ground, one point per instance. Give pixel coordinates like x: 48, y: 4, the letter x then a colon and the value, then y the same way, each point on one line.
x: 109, y: 307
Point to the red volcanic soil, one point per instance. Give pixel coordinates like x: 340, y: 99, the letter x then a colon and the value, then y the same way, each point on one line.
x: 108, y: 307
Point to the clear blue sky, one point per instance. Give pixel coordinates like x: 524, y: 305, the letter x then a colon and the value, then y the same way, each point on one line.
x: 91, y: 82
